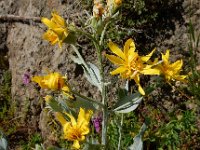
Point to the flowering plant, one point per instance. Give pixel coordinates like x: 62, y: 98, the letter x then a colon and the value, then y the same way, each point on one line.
x: 66, y: 102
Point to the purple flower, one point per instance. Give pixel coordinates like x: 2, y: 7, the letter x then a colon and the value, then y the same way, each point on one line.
x: 26, y: 78
x: 97, y: 122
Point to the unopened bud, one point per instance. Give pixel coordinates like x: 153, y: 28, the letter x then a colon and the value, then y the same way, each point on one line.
x: 118, y: 2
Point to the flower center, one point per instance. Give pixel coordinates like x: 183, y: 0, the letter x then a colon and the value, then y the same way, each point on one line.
x: 74, y: 134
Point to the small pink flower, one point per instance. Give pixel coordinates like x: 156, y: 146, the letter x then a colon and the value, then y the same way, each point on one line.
x: 97, y: 122
x: 26, y: 78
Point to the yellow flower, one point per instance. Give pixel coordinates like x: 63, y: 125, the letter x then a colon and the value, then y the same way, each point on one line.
x: 113, y: 5
x: 53, y: 81
x: 76, y: 130
x: 98, y: 8
x: 171, y: 71
x: 57, y: 29
x: 131, y: 65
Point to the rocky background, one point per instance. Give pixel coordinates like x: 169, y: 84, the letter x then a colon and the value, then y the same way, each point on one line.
x: 22, y: 47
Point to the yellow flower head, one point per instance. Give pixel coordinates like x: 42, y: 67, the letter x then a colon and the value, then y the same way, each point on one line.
x: 98, y: 8
x: 131, y: 65
x: 113, y: 5
x: 171, y: 71
x: 118, y: 2
x: 76, y: 130
x: 57, y: 29
x: 53, y: 81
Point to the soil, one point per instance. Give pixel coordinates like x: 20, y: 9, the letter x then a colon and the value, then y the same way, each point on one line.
x: 22, y: 46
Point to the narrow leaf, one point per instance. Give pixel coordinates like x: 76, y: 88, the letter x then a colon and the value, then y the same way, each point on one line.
x: 76, y: 59
x: 128, y: 103
x: 138, y: 143
x: 82, y: 102
x: 3, y: 142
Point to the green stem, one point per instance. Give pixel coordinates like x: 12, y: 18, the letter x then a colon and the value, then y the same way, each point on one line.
x: 103, y: 34
x: 120, y: 131
x: 103, y: 94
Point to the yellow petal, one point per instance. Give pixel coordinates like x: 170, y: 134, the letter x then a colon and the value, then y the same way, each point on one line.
x: 129, y: 46
x: 116, y: 50
x: 165, y: 57
x: 147, y: 57
x: 59, y: 32
x: 177, y: 65
x: 181, y: 78
x: 82, y: 138
x: 76, y: 144
x: 137, y: 81
x: 115, y: 59
x: 39, y: 80
x: 73, y: 121
x: 65, y: 88
x: 132, y: 55
x: 140, y: 89
x: 88, y: 115
x: 150, y: 71
x: 85, y: 129
x: 51, y: 81
x: 118, y: 70
x: 60, y: 44
x: 58, y: 19
x: 48, y: 23
x: 60, y: 118
x: 51, y: 37
x: 81, y: 116
x: 48, y: 98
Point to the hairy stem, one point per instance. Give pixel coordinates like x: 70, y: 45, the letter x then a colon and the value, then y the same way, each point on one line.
x: 120, y: 131
x: 103, y: 94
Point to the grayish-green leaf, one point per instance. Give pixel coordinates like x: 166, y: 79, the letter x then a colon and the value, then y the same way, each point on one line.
x: 128, y: 103
x: 138, y: 143
x: 76, y: 59
x: 93, y: 75
x: 3, y: 142
x: 91, y: 72
x: 39, y: 147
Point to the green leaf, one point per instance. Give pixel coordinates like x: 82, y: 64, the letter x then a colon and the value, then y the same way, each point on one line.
x: 128, y: 103
x: 55, y: 105
x: 82, y: 102
x: 138, y: 143
x: 71, y: 38
x: 191, y: 30
x: 121, y: 93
